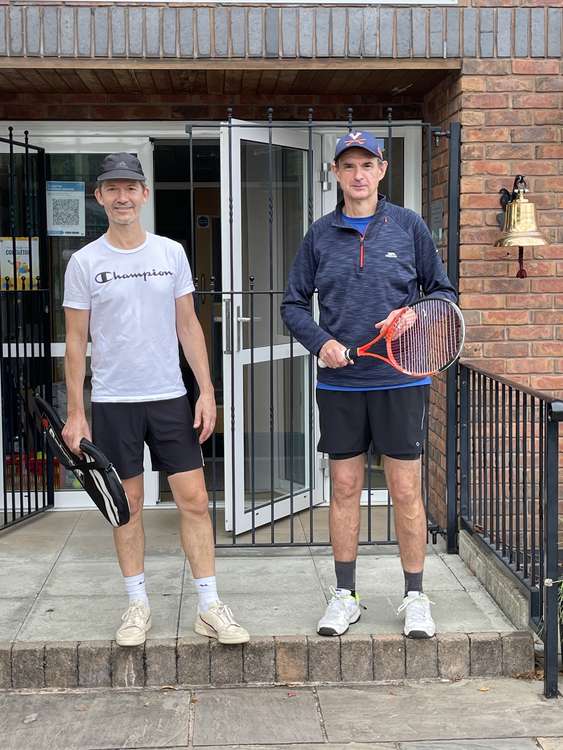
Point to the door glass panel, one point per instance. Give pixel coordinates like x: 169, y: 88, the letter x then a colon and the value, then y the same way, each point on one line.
x: 269, y: 244
x: 73, y: 168
x: 275, y: 389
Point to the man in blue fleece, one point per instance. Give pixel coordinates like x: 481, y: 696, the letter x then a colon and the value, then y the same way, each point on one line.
x: 367, y: 259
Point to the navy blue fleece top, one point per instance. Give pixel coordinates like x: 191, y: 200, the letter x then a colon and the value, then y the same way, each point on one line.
x: 360, y: 279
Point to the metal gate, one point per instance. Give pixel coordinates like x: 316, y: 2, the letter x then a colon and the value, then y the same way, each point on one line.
x: 25, y: 358
x: 243, y: 302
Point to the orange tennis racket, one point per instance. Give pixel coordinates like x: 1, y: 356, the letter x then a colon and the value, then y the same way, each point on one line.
x: 424, y: 338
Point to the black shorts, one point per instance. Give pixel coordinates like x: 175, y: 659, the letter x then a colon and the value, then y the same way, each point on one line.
x: 393, y: 421
x: 121, y: 429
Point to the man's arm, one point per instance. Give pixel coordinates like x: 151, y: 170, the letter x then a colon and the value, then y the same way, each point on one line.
x: 296, y: 308
x: 432, y: 275
x: 192, y: 340
x: 76, y: 427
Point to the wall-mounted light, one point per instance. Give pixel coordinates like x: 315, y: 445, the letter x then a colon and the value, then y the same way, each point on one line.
x: 519, y: 226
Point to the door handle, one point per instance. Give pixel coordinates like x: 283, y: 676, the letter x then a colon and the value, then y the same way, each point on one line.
x: 228, y: 332
x: 240, y: 320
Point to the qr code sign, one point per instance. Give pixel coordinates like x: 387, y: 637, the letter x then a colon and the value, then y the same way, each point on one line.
x: 66, y: 212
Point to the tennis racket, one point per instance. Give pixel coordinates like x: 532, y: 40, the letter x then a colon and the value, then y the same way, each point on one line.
x: 424, y: 338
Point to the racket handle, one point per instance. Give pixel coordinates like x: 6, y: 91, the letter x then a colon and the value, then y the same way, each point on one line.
x: 350, y: 355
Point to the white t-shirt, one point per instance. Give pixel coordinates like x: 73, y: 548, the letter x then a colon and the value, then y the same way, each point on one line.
x: 131, y: 297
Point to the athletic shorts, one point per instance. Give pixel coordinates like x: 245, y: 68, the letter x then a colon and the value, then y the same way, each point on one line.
x: 167, y: 427
x: 392, y: 421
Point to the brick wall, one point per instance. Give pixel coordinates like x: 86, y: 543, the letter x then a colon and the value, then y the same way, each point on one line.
x: 511, y: 112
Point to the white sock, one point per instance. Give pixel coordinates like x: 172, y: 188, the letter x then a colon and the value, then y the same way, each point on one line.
x: 135, y: 586
x: 206, y: 591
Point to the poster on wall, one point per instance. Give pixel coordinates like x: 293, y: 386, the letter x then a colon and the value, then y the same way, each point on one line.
x: 23, y: 269
x: 66, y: 209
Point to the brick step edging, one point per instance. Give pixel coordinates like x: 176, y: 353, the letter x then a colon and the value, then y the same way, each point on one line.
x: 267, y: 660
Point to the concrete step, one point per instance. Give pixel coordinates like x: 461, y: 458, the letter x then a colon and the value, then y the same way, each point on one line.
x: 294, y: 659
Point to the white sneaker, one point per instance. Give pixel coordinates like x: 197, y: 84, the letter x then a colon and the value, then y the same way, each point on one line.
x: 342, y: 611
x: 218, y: 622
x: 136, y: 622
x: 418, y: 618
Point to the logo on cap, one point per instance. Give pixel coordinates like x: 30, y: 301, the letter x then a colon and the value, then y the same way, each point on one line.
x: 122, y: 164
x: 355, y: 139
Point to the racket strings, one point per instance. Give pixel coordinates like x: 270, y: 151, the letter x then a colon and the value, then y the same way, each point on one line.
x: 428, y: 340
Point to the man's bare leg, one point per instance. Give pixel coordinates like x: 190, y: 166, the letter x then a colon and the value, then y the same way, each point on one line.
x: 196, y: 530
x: 130, y: 539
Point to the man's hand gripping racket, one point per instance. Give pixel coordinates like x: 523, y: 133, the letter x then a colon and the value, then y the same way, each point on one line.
x: 421, y: 339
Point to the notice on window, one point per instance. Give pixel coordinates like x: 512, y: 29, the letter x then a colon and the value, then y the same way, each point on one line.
x: 66, y: 209
x: 27, y: 275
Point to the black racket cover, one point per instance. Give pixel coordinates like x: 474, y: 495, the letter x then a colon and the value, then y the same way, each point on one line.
x: 94, y: 472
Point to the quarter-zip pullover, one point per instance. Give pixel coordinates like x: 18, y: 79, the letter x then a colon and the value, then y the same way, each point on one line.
x: 360, y: 279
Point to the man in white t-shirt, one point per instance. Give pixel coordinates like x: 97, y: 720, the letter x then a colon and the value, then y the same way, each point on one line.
x: 133, y: 291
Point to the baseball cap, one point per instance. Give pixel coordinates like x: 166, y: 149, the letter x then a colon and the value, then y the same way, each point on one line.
x: 359, y: 139
x: 121, y: 166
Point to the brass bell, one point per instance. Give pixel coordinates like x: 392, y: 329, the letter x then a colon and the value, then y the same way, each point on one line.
x: 520, y: 228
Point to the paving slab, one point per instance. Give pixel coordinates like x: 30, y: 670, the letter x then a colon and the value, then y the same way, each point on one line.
x: 514, y: 743
x: 232, y: 717
x: 78, y: 721
x: 76, y: 618
x: 19, y: 580
x: 421, y: 711
x: 276, y: 614
x: 550, y: 743
x: 163, y: 575
x: 12, y: 614
x: 250, y: 576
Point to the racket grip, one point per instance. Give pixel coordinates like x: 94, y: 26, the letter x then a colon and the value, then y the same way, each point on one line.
x: 351, y: 354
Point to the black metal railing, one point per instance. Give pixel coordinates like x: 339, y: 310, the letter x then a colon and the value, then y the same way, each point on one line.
x: 509, y: 456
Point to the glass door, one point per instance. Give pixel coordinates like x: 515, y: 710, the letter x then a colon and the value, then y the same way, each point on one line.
x: 270, y: 456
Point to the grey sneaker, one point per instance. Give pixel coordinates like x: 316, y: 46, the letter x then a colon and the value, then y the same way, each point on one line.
x: 418, y: 618
x: 218, y: 622
x: 342, y: 611
x: 136, y: 622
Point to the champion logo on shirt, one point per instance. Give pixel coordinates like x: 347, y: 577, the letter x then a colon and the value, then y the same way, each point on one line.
x: 104, y: 276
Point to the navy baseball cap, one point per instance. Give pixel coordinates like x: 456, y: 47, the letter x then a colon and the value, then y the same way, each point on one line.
x: 121, y: 166
x: 359, y: 139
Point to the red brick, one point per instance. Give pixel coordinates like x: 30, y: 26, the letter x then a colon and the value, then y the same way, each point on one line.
x: 471, y: 185
x: 483, y: 301
x: 529, y: 365
x: 506, y: 349
x: 535, y: 101
x: 471, y: 252
x: 485, y: 134
x: 485, y: 333
x: 479, y: 201
x: 547, y: 285
x: 548, y: 117
x: 539, y: 268
x: 508, y: 117
x: 472, y: 118
x: 486, y: 67
x: 484, y: 268
x: 472, y: 83
x: 485, y: 167
x: 526, y: 333
x: 470, y: 285
x: 534, y: 135
x: 549, y: 184
x: 509, y: 83
x: 509, y: 151
x: 549, y: 83
x: 551, y: 151
x: 511, y: 284
x: 505, y: 317
x: 547, y: 382
x: 548, y: 316
x: 547, y: 348
x: 479, y: 236
x: 536, y: 167
x: 472, y: 151
x: 528, y: 301
x: 535, y: 67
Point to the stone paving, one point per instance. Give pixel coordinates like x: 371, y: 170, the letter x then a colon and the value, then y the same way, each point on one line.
x: 61, y: 596
x: 485, y: 714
